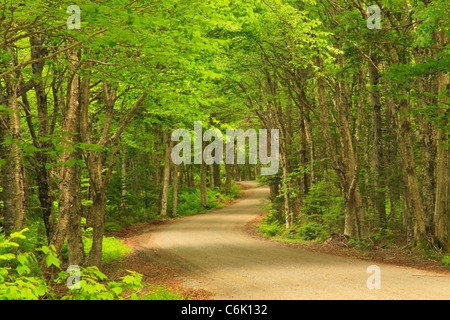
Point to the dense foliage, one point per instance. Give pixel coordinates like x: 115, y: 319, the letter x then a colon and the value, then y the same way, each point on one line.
x: 88, y: 103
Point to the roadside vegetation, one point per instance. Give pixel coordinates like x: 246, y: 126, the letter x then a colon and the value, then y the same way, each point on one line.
x: 356, y: 105
x: 31, y: 270
x: 325, y: 231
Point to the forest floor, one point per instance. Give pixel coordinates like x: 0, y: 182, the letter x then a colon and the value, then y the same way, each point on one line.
x: 169, y: 269
x: 154, y: 274
x: 396, y: 253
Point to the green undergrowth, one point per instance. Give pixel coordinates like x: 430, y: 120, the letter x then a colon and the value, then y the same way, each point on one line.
x: 321, y: 216
x: 161, y: 293
x: 112, y: 247
x: 314, y: 232
x: 24, y: 276
x: 446, y: 260
x: 188, y: 204
x: 23, y: 255
x: 189, y: 200
x: 271, y: 228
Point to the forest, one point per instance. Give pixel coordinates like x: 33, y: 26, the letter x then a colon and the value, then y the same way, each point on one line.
x: 91, y: 93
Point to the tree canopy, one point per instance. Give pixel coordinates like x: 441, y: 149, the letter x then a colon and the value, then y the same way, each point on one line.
x: 90, y: 93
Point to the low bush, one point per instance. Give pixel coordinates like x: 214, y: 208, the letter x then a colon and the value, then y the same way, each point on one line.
x: 21, y: 277
x: 446, y: 260
x: 112, y: 248
x: 19, y: 273
x: 311, y: 231
x: 270, y: 227
x: 161, y: 293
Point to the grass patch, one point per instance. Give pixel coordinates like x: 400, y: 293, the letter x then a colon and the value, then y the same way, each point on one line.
x: 161, y: 293
x: 270, y: 227
x: 446, y: 260
x: 112, y: 248
x: 189, y: 200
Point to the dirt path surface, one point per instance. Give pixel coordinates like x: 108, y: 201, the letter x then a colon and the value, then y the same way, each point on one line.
x: 213, y: 252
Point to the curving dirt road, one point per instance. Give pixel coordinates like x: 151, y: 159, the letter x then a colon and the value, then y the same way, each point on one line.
x: 213, y: 252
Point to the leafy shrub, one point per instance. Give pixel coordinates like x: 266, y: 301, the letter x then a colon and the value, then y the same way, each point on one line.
x: 112, y: 248
x: 161, y: 293
x: 323, y: 209
x: 361, y: 244
x: 22, y: 279
x: 189, y: 201
x: 112, y: 226
x: 311, y: 231
x: 94, y: 286
x: 19, y: 279
x: 270, y: 227
x: 381, y: 233
x: 446, y: 260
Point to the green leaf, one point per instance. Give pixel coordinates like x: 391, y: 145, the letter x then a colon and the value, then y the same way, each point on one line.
x: 7, y: 256
x: 45, y: 249
x: 52, y: 260
x: 22, y: 269
x: 22, y: 259
x: 134, y: 296
x: 128, y: 279
x: 10, y: 244
x: 117, y: 290
x: 19, y: 234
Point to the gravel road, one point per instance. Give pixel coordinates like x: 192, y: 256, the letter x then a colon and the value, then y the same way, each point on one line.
x: 213, y: 252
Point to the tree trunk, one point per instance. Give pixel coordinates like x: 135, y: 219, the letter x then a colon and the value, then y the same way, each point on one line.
x: 348, y: 168
x: 157, y: 159
x: 441, y: 209
x: 98, y: 210
x: 68, y: 172
x: 203, y: 187
x: 43, y: 175
x: 303, y: 160
x: 217, y: 182
x: 123, y: 173
x: 411, y: 174
x: 211, y: 176
x: 75, y: 244
x: 166, y: 177
x: 175, y: 190
x: 14, y: 183
x: 379, y: 192
x: 288, y: 216
x: 228, y: 177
